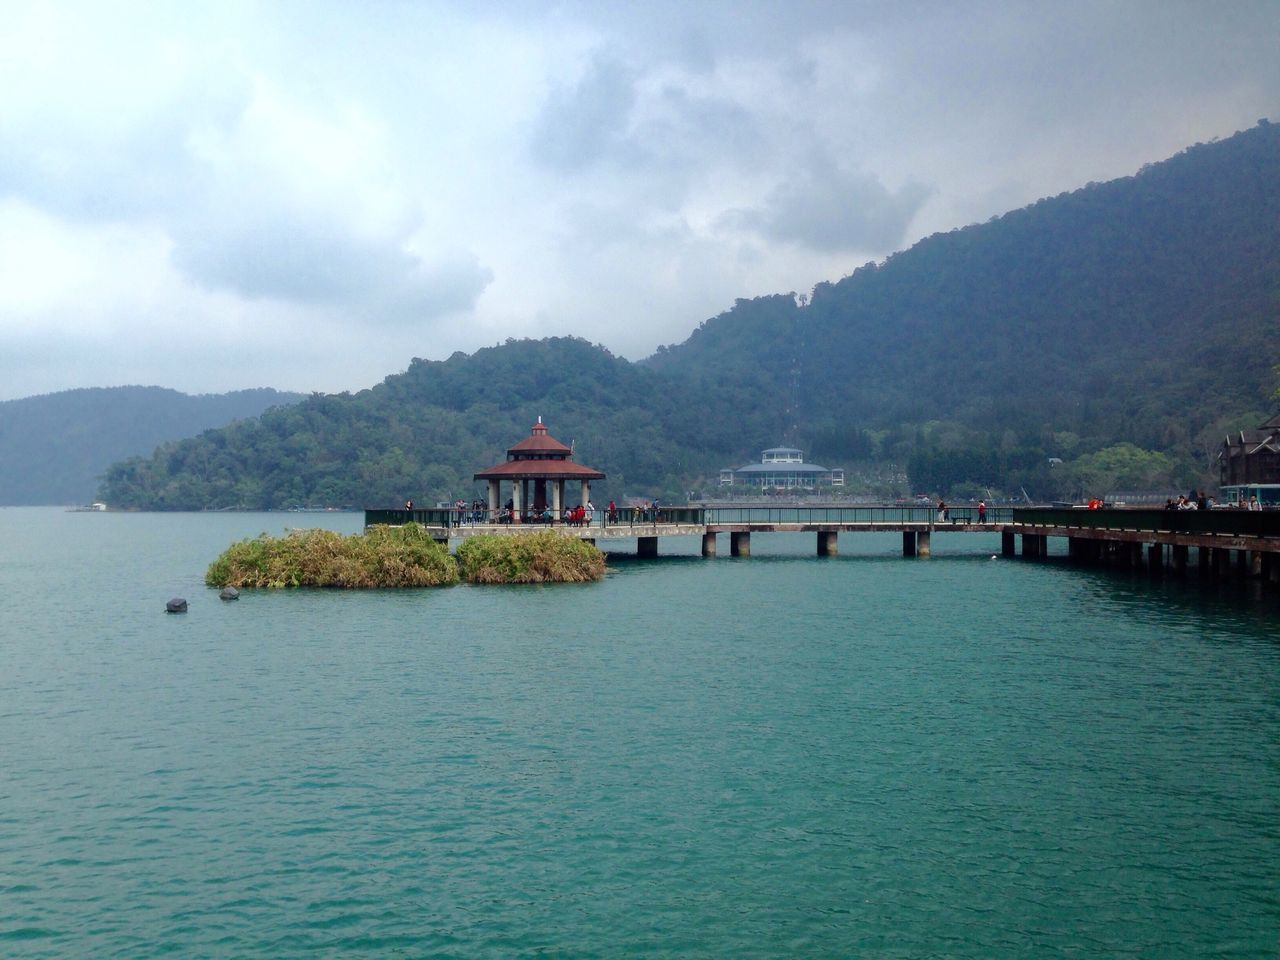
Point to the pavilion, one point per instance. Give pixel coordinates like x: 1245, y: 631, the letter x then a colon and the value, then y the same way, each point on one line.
x: 532, y: 464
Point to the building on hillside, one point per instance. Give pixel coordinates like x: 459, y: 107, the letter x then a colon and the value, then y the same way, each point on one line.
x: 1249, y: 465
x: 1251, y: 456
x: 783, y: 468
x: 536, y: 469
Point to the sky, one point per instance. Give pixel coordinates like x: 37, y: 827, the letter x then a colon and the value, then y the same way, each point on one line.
x: 224, y: 195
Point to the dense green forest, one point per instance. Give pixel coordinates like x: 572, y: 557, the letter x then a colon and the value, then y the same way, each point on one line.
x: 1103, y: 339
x: 55, y: 448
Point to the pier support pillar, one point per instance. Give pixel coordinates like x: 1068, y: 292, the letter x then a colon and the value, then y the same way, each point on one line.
x: 1075, y: 549
x: 1271, y: 567
x: 1255, y: 563
x: 1155, y: 557
x: 1222, y: 562
x: 922, y: 543
x: 1033, y: 545
x: 740, y: 544
x: 827, y: 543
x: 646, y: 546
x: 1179, y: 558
x: 1007, y: 545
x: 708, y: 544
x: 908, y: 543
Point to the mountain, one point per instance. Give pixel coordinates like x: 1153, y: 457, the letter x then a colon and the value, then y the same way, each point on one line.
x: 55, y: 447
x: 1145, y: 309
x: 1122, y: 329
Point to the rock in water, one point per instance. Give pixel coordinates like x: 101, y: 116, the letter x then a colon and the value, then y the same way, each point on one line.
x: 176, y: 605
x: 229, y: 593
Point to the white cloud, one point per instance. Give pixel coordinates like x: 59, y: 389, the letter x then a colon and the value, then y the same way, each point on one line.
x: 306, y: 196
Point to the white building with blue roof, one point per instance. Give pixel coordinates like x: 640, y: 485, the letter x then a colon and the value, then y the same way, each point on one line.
x: 783, y: 468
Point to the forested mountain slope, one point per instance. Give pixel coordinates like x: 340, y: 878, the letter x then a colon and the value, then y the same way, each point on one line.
x: 421, y: 433
x: 1145, y: 309
x: 55, y: 447
x: 1129, y: 323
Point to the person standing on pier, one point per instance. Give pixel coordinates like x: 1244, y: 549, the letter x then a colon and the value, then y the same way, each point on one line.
x: 982, y: 511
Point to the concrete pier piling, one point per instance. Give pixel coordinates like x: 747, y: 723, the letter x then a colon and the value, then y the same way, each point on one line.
x: 827, y: 543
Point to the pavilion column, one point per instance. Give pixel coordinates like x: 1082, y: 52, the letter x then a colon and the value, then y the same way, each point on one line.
x: 517, y: 504
x: 586, y: 491
x: 495, y: 493
x: 557, y: 498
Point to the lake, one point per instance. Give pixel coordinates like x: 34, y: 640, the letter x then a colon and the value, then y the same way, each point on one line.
x: 773, y: 756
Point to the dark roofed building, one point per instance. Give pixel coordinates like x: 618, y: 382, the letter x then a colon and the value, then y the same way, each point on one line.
x: 1251, y: 456
x: 533, y: 463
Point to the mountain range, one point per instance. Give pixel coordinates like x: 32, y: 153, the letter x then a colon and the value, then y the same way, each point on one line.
x: 1107, y: 336
x: 55, y: 447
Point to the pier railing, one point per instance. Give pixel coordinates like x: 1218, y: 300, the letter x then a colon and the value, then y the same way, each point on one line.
x: 1227, y: 522
x: 888, y: 516
x: 896, y: 515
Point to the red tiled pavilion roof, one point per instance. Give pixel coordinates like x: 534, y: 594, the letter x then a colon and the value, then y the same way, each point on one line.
x: 538, y: 441
x: 539, y: 456
x: 539, y: 470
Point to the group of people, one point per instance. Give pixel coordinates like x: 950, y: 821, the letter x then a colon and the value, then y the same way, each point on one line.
x: 578, y: 516
x: 477, y: 511
x: 944, y: 512
x: 1198, y: 501
x: 473, y: 512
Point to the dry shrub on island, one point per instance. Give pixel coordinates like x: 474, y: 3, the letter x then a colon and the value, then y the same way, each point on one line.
x: 542, y: 557
x: 381, y: 557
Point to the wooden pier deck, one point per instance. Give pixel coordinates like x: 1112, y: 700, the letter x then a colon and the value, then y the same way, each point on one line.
x: 1224, y: 541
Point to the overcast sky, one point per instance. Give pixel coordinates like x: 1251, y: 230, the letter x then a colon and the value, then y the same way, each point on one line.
x: 212, y: 196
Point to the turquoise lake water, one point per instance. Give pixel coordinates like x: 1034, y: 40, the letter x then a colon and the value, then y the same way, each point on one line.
x: 773, y: 756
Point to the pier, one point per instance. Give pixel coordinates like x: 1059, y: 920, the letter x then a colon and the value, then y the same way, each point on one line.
x: 1215, y: 542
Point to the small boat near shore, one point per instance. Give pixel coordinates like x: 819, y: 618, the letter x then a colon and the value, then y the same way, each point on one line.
x: 96, y: 507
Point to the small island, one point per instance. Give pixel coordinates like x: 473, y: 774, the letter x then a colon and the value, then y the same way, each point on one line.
x: 404, y: 556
